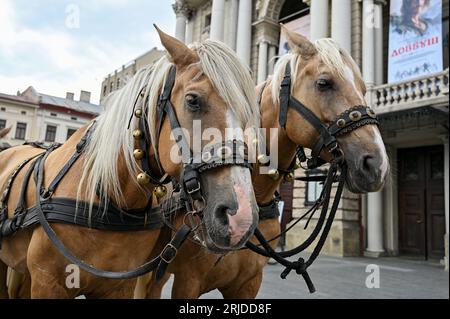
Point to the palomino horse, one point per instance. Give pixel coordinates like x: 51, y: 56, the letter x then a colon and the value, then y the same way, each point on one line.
x: 326, y: 79
x: 206, y: 83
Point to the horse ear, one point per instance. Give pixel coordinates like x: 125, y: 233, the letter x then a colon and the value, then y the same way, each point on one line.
x: 179, y: 53
x: 5, y: 131
x: 299, y: 43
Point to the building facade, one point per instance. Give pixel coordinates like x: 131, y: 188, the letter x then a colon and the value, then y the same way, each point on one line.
x: 409, y: 217
x: 120, y: 77
x: 40, y: 117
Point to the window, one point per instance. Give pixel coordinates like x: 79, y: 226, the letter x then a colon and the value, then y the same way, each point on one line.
x: 207, y: 22
x: 21, y: 130
x: 2, y: 124
x: 50, y: 133
x: 23, y: 113
x: 73, y: 118
x: 53, y: 114
x: 313, y: 188
x: 104, y: 90
x: 118, y: 83
x: 70, y: 132
x: 3, y: 109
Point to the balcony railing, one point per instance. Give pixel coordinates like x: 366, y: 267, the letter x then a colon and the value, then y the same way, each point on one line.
x: 427, y: 90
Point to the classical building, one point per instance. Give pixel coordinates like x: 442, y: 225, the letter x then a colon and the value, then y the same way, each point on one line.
x: 40, y: 117
x: 120, y: 77
x: 409, y: 217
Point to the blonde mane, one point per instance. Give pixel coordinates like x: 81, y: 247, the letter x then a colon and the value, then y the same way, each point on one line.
x: 330, y: 54
x: 111, y: 139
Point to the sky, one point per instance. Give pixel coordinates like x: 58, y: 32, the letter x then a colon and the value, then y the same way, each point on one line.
x: 60, y: 46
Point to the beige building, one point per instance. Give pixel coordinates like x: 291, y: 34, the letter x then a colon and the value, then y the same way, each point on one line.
x: 409, y: 217
x: 40, y: 117
x: 19, y: 113
x: 120, y: 77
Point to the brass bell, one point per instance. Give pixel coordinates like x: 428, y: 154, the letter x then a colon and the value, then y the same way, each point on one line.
x: 138, y: 112
x: 273, y: 174
x: 289, y: 177
x: 137, y: 134
x: 160, y: 191
x: 263, y: 159
x: 138, y: 154
x: 143, y: 179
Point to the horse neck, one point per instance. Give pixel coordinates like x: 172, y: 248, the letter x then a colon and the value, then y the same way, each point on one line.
x: 265, y: 186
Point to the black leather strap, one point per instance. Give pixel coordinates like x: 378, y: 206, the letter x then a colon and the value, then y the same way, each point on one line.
x: 170, y: 251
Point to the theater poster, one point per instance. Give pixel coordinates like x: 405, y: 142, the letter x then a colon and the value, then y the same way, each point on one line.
x: 301, y: 25
x: 415, y: 39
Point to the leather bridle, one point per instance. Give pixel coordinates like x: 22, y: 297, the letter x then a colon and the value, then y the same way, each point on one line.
x: 228, y: 153
x: 345, y: 123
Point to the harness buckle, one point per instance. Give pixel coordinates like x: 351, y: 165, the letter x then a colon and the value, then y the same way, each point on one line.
x: 191, y: 191
x: 169, y: 253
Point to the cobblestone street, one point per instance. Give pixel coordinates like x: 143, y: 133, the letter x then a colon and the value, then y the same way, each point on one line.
x: 346, y: 277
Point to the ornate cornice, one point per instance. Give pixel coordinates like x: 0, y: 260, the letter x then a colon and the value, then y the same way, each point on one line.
x: 181, y: 8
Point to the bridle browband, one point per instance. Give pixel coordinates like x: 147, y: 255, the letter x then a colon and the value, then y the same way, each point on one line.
x: 345, y: 123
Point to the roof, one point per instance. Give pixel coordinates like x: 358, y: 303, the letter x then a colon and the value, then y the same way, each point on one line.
x: 78, y: 106
x: 18, y: 99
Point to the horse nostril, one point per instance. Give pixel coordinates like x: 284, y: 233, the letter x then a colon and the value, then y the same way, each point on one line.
x: 368, y: 163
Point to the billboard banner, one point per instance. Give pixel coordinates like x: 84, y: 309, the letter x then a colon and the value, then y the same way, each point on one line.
x: 301, y: 25
x: 415, y: 39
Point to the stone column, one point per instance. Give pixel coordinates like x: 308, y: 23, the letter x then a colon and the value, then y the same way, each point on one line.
x: 446, y: 198
x: 217, y: 20
x: 272, y: 55
x: 368, y: 43
x: 231, y: 31
x: 262, y: 61
x: 180, y: 9
x: 244, y: 32
x: 341, y: 23
x: 319, y: 19
x: 374, y: 225
x: 190, y: 29
x: 378, y: 21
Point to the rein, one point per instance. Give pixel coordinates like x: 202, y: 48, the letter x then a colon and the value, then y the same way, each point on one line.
x: 346, y: 122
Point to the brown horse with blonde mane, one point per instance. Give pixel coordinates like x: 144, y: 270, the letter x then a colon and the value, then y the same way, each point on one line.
x: 327, y: 80
x: 210, y: 84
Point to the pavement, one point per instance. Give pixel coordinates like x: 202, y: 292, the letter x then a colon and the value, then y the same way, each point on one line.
x: 354, y: 278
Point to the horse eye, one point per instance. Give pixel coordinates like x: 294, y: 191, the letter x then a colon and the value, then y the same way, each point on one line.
x: 324, y: 85
x: 192, y: 101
